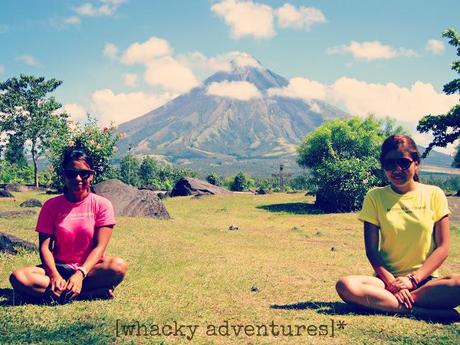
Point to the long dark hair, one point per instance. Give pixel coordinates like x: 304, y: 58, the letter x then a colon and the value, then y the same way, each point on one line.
x: 395, y: 142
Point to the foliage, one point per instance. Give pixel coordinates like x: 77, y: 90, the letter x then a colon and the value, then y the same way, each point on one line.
x: 28, y: 115
x: 98, y: 143
x: 241, y: 182
x: 158, y: 176
x: 450, y: 184
x: 215, y: 179
x: 129, y: 170
x: 343, y: 156
x: 12, y: 172
x: 446, y: 128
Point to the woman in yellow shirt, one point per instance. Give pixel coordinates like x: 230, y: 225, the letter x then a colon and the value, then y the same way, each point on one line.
x: 406, y: 235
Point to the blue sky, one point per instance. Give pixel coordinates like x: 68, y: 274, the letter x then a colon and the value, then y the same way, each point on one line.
x: 121, y: 58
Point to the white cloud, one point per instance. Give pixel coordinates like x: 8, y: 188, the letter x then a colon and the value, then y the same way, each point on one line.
x: 240, y: 90
x: 435, y: 46
x: 405, y: 104
x: 107, y: 8
x: 110, y: 51
x: 130, y: 79
x: 28, y: 60
x: 373, y: 50
x: 300, y: 88
x: 137, y: 52
x: 72, y: 20
x: 246, y: 18
x: 302, y: 17
x: 2, y: 69
x: 75, y: 111
x: 118, y: 108
x: 170, y: 74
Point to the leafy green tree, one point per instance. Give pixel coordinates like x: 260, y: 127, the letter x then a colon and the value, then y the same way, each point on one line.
x: 214, y: 179
x: 343, y: 156
x: 14, y: 152
x: 242, y: 182
x: 148, y: 171
x: 27, y: 112
x: 129, y: 170
x: 446, y: 128
x: 98, y: 143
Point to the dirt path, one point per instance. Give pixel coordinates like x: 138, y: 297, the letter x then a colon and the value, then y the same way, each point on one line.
x: 454, y: 205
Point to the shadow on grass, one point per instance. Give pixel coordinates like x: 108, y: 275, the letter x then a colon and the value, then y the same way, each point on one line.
x: 329, y: 308
x: 340, y: 308
x: 73, y: 333
x: 293, y: 208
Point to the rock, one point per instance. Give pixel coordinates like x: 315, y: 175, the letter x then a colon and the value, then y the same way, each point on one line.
x: 17, y: 214
x: 458, y: 193
x: 192, y: 186
x: 333, y: 249
x: 16, y: 187
x: 5, y: 194
x: 162, y: 195
x: 131, y: 202
x: 9, y: 243
x: 233, y: 227
x: 31, y: 203
x: 261, y: 191
x: 254, y: 289
x: 147, y: 187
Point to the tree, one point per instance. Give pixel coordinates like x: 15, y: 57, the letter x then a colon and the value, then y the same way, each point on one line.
x: 343, y: 156
x: 98, y: 144
x: 129, y: 170
x: 214, y: 179
x: 26, y: 111
x: 241, y: 182
x: 148, y: 171
x: 446, y: 128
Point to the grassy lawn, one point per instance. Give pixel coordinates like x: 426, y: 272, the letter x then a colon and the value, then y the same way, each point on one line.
x: 278, y: 268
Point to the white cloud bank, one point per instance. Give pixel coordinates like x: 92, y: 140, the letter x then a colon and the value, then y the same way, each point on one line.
x: 240, y: 90
x: 252, y: 19
x: 436, y: 47
x: 122, y: 107
x: 153, y: 48
x: 130, y: 79
x: 106, y: 8
x: 361, y: 98
x: 75, y: 111
x: 372, y: 50
x: 299, y: 18
x: 72, y: 20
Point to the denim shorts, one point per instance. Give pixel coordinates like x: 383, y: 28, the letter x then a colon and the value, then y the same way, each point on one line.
x: 65, y: 270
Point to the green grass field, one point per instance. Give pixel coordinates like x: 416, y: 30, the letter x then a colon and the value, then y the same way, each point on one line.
x: 278, y: 268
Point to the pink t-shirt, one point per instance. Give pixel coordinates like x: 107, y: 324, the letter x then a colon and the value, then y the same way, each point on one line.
x: 73, y: 225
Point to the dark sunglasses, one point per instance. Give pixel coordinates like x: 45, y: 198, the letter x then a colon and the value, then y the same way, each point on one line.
x: 84, y: 174
x: 391, y: 164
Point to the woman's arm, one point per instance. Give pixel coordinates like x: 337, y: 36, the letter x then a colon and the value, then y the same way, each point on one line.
x: 371, y: 241
x: 49, y: 265
x: 439, y: 255
x: 102, y: 237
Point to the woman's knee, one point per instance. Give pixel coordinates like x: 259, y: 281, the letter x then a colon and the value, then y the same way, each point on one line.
x: 345, y: 287
x: 19, y: 278
x: 118, y: 266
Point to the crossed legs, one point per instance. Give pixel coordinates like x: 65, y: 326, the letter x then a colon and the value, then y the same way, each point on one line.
x: 101, y: 280
x: 437, y: 298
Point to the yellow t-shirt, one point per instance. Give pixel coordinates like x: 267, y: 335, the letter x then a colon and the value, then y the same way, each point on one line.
x: 406, y: 223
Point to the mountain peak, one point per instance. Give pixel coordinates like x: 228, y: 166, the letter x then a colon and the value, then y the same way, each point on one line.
x: 245, y: 61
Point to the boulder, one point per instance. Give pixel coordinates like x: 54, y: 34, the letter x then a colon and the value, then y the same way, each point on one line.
x: 10, y: 243
x: 31, y: 203
x: 16, y: 187
x: 5, y: 194
x: 193, y: 186
x: 131, y: 202
x: 261, y: 191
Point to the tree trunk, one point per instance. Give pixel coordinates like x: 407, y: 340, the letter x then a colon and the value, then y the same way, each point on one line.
x: 34, y: 159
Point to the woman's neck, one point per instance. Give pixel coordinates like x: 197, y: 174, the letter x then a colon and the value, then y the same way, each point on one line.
x: 405, y: 188
x: 76, y: 197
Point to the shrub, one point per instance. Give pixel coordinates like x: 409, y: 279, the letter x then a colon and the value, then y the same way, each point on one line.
x: 242, y: 182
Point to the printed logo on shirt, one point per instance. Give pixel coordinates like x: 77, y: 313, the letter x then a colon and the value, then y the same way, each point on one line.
x: 76, y: 216
x: 407, y: 210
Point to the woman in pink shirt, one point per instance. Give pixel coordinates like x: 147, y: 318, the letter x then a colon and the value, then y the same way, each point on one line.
x: 74, y: 231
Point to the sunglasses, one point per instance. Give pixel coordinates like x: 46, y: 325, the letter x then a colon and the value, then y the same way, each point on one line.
x: 391, y: 164
x: 84, y: 174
